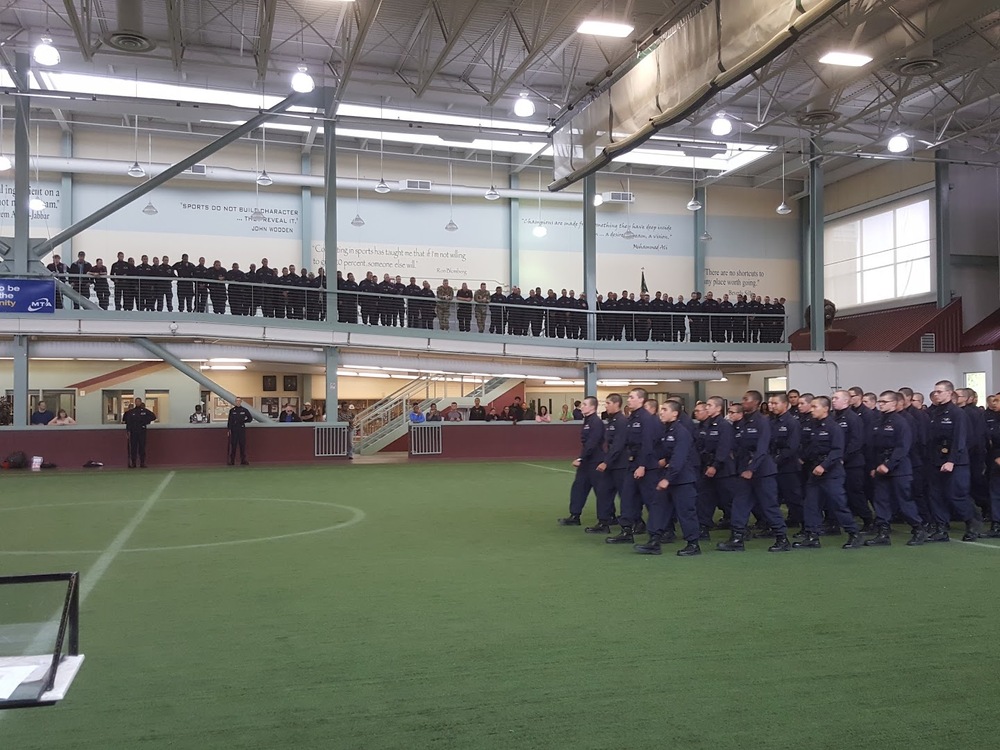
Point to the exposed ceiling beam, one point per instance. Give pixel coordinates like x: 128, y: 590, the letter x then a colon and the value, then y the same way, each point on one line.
x: 175, y: 31
x: 365, y: 20
x: 450, y: 41
x: 265, y: 29
x: 81, y: 38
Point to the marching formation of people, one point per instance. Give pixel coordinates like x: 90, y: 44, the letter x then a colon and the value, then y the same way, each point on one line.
x: 851, y: 461
x: 155, y: 284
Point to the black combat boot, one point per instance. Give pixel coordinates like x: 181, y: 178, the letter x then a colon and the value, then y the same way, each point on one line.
x: 854, y: 541
x: 704, y: 535
x: 801, y: 533
x: 938, y: 533
x: 808, y: 541
x: 869, y: 527
x: 601, y: 527
x: 573, y: 520
x: 652, y: 547
x: 973, y: 527
x: 881, y: 538
x: 734, y: 543
x: 640, y: 528
x: 669, y: 536
x: 781, y: 544
x: 690, y: 550
x: 918, y: 537
x: 994, y: 532
x: 625, y: 537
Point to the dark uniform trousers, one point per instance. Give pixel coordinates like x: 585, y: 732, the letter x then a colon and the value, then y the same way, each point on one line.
x: 237, y: 439
x: 790, y: 492
x: 892, y: 497
x: 828, y: 491
x: 714, y: 492
x: 637, y: 492
x: 761, y: 493
x: 854, y: 487
x: 137, y: 446
x: 589, y: 478
x: 949, y: 494
x: 677, y: 500
x: 994, y: 491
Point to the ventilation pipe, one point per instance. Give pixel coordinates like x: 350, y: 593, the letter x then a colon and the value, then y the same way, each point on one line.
x: 128, y: 35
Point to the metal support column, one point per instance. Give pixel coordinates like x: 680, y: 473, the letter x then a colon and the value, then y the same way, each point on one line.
x: 590, y: 256
x: 169, y: 173
x: 817, y: 327
x: 20, y: 415
x: 700, y: 223
x: 22, y: 169
x: 515, y: 234
x: 942, y: 190
x: 332, y: 363
x: 330, y: 205
x: 590, y: 380
x: 305, y: 216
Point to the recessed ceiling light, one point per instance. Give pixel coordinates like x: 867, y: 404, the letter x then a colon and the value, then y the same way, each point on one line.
x: 898, y: 144
x: 605, y: 28
x: 846, y: 59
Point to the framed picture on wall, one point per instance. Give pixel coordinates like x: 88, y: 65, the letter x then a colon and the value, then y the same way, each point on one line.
x: 291, y: 382
x: 270, y: 383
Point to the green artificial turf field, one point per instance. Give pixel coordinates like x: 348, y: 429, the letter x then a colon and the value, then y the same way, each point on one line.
x: 440, y: 606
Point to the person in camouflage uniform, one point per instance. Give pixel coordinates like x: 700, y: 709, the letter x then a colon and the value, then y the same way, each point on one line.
x: 482, y: 300
x: 445, y: 295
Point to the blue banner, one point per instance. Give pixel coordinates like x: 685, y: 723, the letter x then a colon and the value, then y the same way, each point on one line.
x: 27, y: 295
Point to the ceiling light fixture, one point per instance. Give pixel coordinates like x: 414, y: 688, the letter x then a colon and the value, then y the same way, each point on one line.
x: 263, y: 178
x: 491, y: 194
x: 136, y: 169
x: 5, y: 163
x: 302, y: 82
x: 722, y: 125
x: 846, y: 59
x: 357, y: 221
x: 705, y: 236
x: 601, y: 27
x: 35, y: 203
x: 694, y: 204
x: 898, y: 144
x: 539, y: 229
x: 523, y: 106
x: 45, y: 53
x: 783, y: 208
x: 381, y: 188
x: 150, y: 209
x: 598, y: 200
x: 451, y: 226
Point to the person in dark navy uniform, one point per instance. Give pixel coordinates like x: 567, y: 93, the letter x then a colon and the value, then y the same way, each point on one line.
x: 714, y: 445
x: 823, y: 455
x: 588, y: 477
x: 993, y: 463
x: 758, y: 486
x: 136, y: 420
x: 888, y: 464
x: 786, y: 435
x: 920, y: 421
x: 854, y: 458
x: 615, y: 463
x: 239, y: 418
x: 948, y: 466
x: 978, y: 490
x: 641, y: 444
x: 675, y: 486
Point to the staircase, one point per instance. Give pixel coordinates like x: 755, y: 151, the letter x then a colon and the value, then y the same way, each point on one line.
x: 386, y: 420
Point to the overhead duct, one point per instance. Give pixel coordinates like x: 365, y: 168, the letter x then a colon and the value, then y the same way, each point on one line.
x: 509, y: 366
x: 128, y: 35
x: 658, y: 374
x: 125, y: 350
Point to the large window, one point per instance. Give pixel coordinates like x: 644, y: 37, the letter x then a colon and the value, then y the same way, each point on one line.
x: 881, y: 254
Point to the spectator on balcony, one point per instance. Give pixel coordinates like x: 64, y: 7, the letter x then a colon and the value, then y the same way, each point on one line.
x: 492, y: 416
x: 433, y: 415
x: 577, y: 412
x: 529, y: 412
x: 505, y: 415
x: 199, y: 416
x: 62, y: 418
x: 516, y: 410
x: 101, y: 287
x: 453, y: 414
x: 347, y: 415
x: 477, y: 413
x: 79, y: 277
x: 464, y: 308
x: 307, y: 414
x: 416, y: 416
x: 565, y: 416
x: 445, y: 295
x: 543, y: 415
x: 289, y: 415
x: 42, y: 415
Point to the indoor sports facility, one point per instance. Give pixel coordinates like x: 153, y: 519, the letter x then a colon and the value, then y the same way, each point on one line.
x: 452, y: 373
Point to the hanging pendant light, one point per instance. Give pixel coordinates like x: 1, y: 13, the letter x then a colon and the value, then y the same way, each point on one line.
x: 451, y: 226
x: 783, y: 208
x: 136, y: 169
x: 150, y: 209
x: 694, y: 204
x: 539, y: 229
x: 256, y: 214
x: 5, y: 162
x: 263, y: 178
x: 491, y: 194
x: 628, y: 234
x: 705, y: 236
x: 357, y: 221
x: 381, y: 188
x: 35, y: 203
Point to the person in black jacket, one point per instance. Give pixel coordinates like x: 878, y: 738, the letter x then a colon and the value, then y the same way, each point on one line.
x: 184, y: 271
x: 166, y: 289
x: 121, y: 268
x: 948, y: 469
x: 99, y: 272
x: 993, y: 463
x: 239, y: 418
x: 785, y: 444
x: 587, y: 475
x: 642, y: 439
x: 136, y: 420
x: 79, y: 277
x: 716, y: 484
